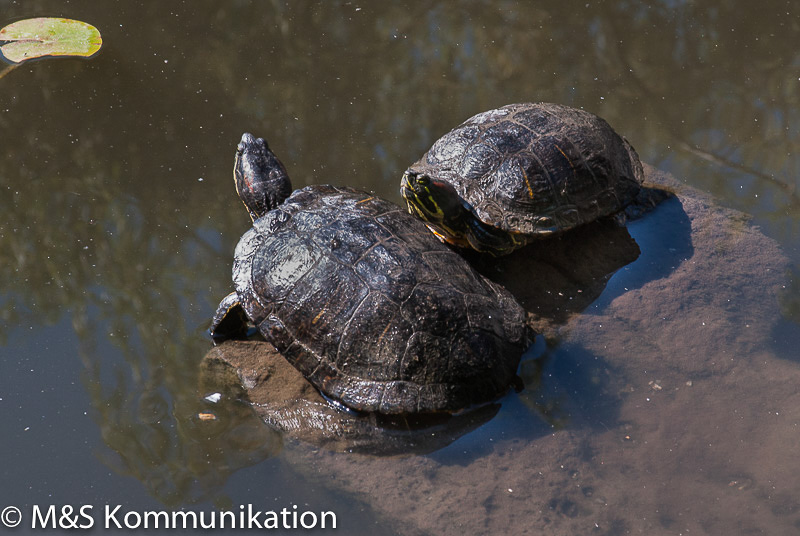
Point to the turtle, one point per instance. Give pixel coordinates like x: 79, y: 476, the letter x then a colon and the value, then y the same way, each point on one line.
x: 508, y: 176
x: 357, y: 294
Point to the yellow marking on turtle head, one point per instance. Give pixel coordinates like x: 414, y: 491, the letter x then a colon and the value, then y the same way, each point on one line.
x: 439, y: 214
x: 455, y: 238
x: 423, y: 208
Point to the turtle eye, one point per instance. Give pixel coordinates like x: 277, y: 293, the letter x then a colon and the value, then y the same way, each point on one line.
x: 423, y: 180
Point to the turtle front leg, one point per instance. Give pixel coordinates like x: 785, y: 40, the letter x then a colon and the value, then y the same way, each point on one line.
x: 230, y: 320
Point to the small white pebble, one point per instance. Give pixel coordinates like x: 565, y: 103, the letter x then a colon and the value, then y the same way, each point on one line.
x: 215, y: 397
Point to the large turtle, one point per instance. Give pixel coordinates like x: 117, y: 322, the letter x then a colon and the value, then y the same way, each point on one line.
x: 507, y: 176
x: 363, y: 300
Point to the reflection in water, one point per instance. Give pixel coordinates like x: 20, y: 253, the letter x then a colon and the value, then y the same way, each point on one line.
x: 285, y: 400
x: 183, y: 449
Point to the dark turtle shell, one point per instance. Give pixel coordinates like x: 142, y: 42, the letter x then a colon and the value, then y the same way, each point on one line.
x: 362, y: 299
x: 536, y: 168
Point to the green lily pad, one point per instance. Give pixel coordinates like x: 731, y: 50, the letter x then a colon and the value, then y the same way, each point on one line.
x: 34, y: 38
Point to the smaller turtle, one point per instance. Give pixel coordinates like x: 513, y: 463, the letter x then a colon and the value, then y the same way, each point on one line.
x: 524, y: 171
x: 355, y: 293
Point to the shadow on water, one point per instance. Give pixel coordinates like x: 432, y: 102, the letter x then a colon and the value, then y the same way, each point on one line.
x: 565, y: 384
x: 785, y: 337
x: 556, y: 277
x: 785, y: 340
x: 569, y: 386
x: 664, y: 238
x: 559, y: 276
x: 565, y: 387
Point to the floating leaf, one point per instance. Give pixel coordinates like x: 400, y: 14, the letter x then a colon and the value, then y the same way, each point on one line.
x: 33, y: 38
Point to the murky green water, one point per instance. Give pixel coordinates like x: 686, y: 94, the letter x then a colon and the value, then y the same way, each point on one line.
x: 118, y: 219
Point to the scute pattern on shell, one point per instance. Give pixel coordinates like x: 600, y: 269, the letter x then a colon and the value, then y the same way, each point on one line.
x: 536, y: 168
x: 362, y: 299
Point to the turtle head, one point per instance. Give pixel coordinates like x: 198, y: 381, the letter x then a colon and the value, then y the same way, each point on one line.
x: 261, y: 180
x: 451, y: 218
x: 436, y: 201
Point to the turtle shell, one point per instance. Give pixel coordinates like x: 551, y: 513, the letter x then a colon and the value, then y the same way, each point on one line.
x: 536, y: 168
x: 362, y: 299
